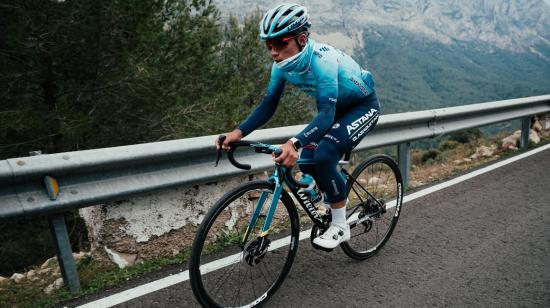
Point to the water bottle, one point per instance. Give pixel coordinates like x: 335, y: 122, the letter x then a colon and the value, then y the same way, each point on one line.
x: 311, y: 190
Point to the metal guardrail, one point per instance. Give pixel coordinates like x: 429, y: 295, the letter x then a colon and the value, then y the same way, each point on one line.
x: 97, y: 176
x: 101, y: 175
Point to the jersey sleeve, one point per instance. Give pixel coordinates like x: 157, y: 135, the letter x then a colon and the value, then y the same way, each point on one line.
x: 267, y: 107
x: 325, y: 71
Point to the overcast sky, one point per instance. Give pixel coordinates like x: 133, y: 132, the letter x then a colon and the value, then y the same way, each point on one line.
x: 547, y: 2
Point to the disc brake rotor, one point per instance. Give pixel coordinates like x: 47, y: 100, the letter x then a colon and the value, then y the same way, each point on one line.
x: 254, y: 251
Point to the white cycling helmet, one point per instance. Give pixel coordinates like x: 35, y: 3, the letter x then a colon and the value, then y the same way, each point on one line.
x: 284, y: 19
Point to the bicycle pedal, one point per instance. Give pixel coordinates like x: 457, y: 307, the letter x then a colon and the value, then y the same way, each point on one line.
x: 321, y: 248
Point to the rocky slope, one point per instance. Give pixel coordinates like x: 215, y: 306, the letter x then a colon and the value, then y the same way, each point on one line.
x: 516, y: 25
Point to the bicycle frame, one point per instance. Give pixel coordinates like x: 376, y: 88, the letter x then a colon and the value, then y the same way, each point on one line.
x: 280, y: 178
x: 282, y: 175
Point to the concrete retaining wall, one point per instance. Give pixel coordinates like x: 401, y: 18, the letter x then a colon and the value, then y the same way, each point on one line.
x: 153, y: 225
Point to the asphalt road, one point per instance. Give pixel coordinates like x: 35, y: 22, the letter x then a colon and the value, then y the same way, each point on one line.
x: 483, y: 242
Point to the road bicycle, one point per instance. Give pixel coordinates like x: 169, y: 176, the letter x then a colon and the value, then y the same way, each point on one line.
x: 246, y: 244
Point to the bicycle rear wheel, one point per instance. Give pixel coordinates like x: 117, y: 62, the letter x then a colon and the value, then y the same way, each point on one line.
x: 232, y: 267
x: 375, y: 197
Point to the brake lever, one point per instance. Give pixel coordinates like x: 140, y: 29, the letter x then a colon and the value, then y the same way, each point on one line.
x: 221, y: 139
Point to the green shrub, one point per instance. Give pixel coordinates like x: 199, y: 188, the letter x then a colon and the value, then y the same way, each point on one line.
x: 432, y: 154
x: 448, y: 145
x: 417, y: 157
x: 430, y: 162
x: 465, y: 136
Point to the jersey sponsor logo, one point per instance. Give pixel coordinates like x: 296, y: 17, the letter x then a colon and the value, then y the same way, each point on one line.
x: 311, y: 131
x: 364, y: 130
x: 332, y: 99
x: 336, y: 192
x: 360, y: 86
x: 324, y: 48
x: 330, y: 137
x: 363, y: 119
x: 298, y: 22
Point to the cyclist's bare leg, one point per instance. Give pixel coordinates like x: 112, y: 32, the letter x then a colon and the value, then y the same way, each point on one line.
x: 338, y: 205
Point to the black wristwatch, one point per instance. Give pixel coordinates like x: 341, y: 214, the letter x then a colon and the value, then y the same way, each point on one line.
x: 297, y: 144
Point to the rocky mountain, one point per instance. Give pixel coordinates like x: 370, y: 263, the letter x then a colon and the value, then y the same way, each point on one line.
x: 514, y: 25
x: 428, y: 54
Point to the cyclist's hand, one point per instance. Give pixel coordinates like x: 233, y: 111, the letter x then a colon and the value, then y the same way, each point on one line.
x: 289, y: 156
x: 235, y: 135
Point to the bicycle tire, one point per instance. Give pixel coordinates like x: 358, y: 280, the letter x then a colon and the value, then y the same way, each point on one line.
x: 391, y: 170
x: 200, y: 283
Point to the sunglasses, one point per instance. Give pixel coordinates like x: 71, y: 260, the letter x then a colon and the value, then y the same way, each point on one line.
x: 279, y: 43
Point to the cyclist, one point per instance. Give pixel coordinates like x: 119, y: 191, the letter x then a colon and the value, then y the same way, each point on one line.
x: 346, y: 103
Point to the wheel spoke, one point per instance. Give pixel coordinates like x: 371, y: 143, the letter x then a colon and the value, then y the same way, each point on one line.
x: 378, y: 184
x: 378, y: 181
x: 253, y: 283
x: 240, y: 283
x: 263, y: 272
x: 218, y: 284
x: 376, y: 227
x: 366, y: 240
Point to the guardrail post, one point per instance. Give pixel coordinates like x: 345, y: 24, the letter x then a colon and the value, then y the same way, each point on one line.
x: 525, y: 130
x: 404, y: 159
x: 64, y: 251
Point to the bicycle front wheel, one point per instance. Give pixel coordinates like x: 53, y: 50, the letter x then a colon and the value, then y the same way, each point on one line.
x: 233, y: 267
x: 375, y: 197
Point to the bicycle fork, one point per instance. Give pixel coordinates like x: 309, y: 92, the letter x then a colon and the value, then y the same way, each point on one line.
x: 270, y: 212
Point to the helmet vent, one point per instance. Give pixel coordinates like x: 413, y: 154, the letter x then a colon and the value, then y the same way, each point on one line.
x: 281, y: 26
x: 284, y: 19
x: 266, y: 27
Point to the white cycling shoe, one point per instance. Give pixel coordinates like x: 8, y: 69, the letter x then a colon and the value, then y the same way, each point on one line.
x: 333, y: 237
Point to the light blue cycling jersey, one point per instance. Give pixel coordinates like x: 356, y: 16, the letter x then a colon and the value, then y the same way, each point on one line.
x: 322, y: 71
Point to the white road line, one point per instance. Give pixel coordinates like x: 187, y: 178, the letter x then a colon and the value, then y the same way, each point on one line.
x: 472, y: 174
x: 156, y: 285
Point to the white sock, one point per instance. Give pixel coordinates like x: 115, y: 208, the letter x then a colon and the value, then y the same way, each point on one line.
x: 339, y: 217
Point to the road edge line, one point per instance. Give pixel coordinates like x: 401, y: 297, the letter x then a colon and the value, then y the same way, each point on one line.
x: 162, y: 283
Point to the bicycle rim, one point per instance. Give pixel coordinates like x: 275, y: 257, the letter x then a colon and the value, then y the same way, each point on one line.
x: 376, y: 212
x: 245, y: 273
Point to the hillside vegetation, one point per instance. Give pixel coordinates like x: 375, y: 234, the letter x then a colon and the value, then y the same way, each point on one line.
x: 88, y: 74
x: 415, y: 73
x: 78, y: 75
